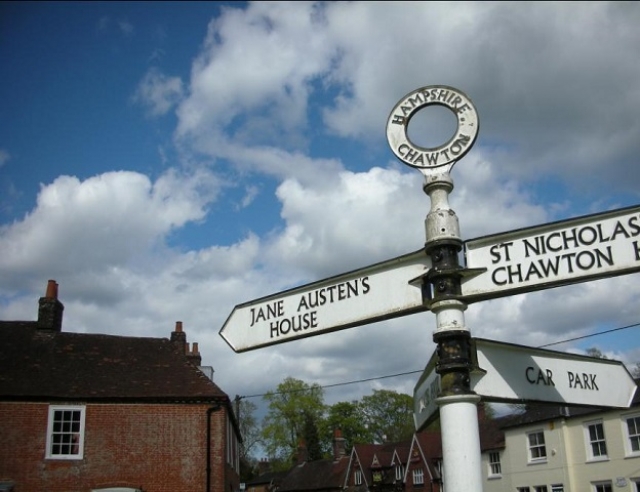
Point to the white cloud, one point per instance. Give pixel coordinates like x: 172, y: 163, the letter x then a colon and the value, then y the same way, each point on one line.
x: 158, y: 93
x: 263, y: 59
x: 533, y: 70
x: 103, y: 224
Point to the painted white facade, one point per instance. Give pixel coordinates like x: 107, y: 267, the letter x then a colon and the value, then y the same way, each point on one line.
x: 583, y: 452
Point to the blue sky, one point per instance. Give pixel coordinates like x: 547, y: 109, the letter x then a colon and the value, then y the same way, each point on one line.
x: 166, y: 161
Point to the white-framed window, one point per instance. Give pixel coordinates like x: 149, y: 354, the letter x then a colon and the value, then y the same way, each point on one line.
x: 116, y: 489
x: 523, y: 489
x: 632, y: 431
x: 357, y: 477
x: 557, y: 487
x: 537, y: 447
x: 65, y: 432
x: 602, y: 487
x: 418, y: 476
x: 495, y: 468
x: 596, y: 444
x: 540, y: 488
x: 636, y: 484
x: 399, y: 471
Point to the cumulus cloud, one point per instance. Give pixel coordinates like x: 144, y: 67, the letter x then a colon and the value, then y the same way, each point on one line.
x: 107, y: 222
x: 354, y: 60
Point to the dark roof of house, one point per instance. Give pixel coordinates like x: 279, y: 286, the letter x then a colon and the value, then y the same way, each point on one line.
x: 316, y: 475
x: 268, y: 478
x: 44, y: 364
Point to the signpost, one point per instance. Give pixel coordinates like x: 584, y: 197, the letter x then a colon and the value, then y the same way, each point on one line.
x: 425, y: 394
x: 511, y: 373
x: 549, y: 255
x: 462, y: 369
x: 382, y: 291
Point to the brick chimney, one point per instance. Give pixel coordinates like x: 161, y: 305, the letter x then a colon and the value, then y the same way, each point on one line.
x: 302, y: 455
x: 50, y: 309
x: 339, y: 445
x: 264, y: 466
x: 179, y: 338
x: 194, y: 355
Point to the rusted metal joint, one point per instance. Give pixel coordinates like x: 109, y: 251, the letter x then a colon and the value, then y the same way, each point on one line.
x: 454, y: 361
x: 444, y: 276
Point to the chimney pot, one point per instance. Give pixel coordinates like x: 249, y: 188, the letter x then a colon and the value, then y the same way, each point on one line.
x: 52, y: 290
x: 50, y: 309
x: 179, y: 337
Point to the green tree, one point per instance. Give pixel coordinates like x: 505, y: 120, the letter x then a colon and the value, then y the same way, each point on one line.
x: 350, y: 419
x: 312, y: 438
x: 283, y: 426
x: 388, y: 415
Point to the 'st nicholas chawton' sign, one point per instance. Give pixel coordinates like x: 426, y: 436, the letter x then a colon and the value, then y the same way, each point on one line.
x: 571, y: 251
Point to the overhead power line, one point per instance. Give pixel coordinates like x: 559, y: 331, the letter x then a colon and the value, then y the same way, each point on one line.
x: 364, y: 380
x: 589, y: 336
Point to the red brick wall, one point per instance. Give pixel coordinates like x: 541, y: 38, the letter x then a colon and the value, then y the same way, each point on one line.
x: 158, y: 448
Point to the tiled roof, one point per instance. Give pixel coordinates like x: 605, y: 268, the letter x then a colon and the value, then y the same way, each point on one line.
x: 267, y: 478
x: 319, y: 475
x: 43, y: 364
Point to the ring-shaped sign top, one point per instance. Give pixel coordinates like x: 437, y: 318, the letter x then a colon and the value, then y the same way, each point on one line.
x: 445, y: 154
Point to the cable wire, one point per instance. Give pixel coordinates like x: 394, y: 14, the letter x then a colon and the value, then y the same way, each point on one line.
x: 356, y: 381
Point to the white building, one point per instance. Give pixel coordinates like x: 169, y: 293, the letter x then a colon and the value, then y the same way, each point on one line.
x: 566, y: 449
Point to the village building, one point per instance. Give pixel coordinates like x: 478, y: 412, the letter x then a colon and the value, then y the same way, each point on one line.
x: 87, y: 412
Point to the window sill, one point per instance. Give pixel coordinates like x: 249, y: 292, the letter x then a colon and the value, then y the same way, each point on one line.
x: 598, y: 459
x: 538, y: 462
x: 494, y: 477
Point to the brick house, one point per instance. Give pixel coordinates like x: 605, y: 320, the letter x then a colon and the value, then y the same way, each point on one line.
x: 410, y: 466
x: 100, y: 413
x: 407, y: 465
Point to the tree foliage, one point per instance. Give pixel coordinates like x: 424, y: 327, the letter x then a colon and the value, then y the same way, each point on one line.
x: 388, y: 415
x: 289, y: 406
x: 350, y: 419
x: 311, y: 438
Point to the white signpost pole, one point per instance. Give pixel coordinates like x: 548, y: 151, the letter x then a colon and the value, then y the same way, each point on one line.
x: 456, y: 401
